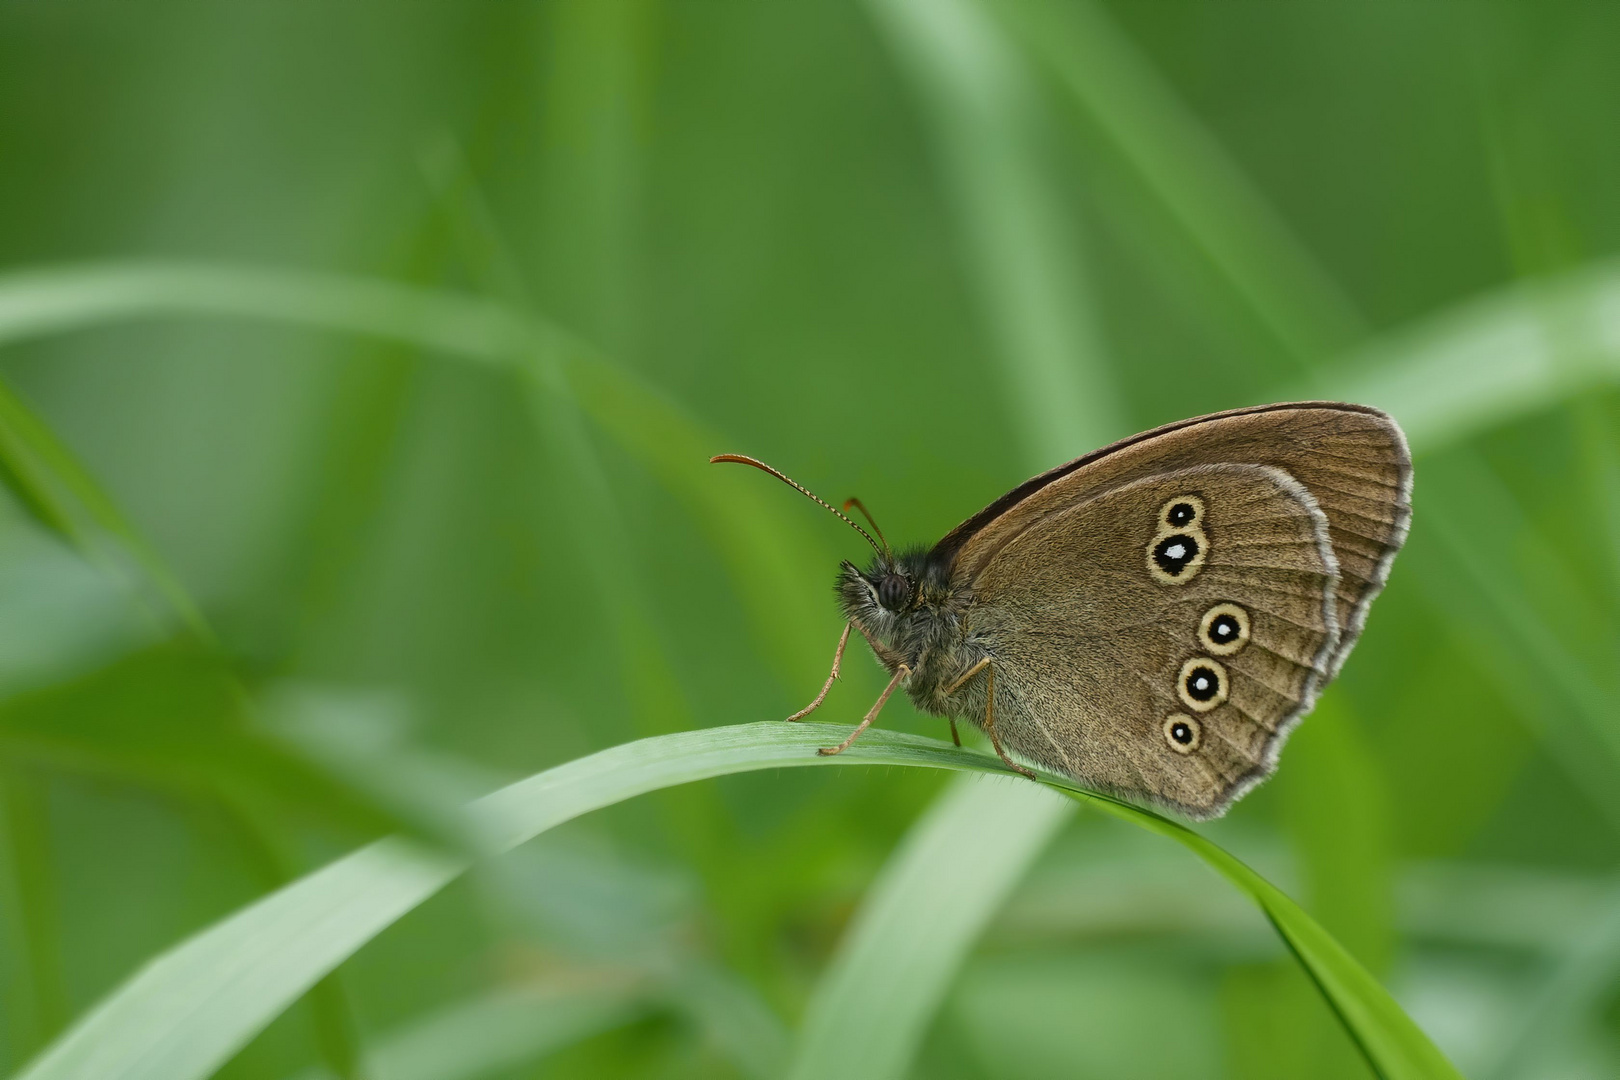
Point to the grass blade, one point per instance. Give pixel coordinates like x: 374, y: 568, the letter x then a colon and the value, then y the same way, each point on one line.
x: 1175, y: 162
x: 1571, y: 995
x: 872, y: 1007
x: 60, y: 494
x: 1394, y: 1046
x: 498, y: 1031
x: 189, y: 1010
x: 37, y: 303
x: 1019, y: 243
x: 764, y: 555
x: 1462, y: 371
x: 1487, y: 361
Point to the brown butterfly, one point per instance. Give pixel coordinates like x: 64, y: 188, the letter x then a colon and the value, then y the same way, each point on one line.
x: 1153, y: 618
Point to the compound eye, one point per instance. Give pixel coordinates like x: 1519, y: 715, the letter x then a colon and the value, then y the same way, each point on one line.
x: 893, y: 592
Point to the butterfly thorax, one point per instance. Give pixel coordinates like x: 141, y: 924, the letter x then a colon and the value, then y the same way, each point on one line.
x: 913, y: 615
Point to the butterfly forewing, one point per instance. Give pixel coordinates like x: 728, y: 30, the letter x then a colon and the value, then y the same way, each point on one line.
x: 1158, y: 638
x: 1352, y: 459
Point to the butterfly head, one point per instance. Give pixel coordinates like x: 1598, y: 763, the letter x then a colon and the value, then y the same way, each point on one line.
x: 886, y: 593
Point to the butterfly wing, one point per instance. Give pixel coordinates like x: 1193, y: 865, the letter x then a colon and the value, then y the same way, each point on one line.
x: 1352, y: 459
x: 1159, y: 639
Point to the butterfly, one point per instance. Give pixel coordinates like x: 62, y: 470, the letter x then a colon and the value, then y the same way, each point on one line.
x: 1153, y: 618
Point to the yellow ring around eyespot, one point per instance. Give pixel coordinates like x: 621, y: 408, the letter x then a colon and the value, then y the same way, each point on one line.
x: 1194, y: 565
x: 1223, y: 684
x: 1193, y: 726
x: 1206, y: 626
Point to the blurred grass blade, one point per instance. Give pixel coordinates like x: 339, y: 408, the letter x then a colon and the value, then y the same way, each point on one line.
x: 1175, y: 161
x: 745, y: 521
x: 498, y: 1031
x: 60, y: 494
x: 28, y: 876
x: 731, y: 1015
x: 1503, y: 355
x: 1572, y: 995
x: 188, y: 1011
x: 1394, y: 1046
x: 1466, y: 370
x: 35, y: 303
x: 918, y: 921
x: 763, y: 553
x: 60, y: 616
x: 1020, y: 244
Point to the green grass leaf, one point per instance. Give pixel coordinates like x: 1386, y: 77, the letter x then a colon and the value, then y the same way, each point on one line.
x: 191, y: 1009
x: 750, y: 527
x: 917, y: 923
x: 1489, y: 360
x: 60, y: 494
x: 1019, y: 239
x: 500, y: 1030
x: 1175, y: 164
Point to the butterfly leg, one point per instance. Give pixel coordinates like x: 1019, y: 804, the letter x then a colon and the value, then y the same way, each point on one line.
x: 871, y: 714
x: 990, y: 725
x: 838, y: 658
x: 951, y: 689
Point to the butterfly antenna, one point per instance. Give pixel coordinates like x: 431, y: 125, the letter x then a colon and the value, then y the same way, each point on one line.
x: 867, y: 514
x: 743, y: 459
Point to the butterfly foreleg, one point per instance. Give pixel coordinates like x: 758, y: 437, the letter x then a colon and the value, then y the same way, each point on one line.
x: 838, y: 658
x: 871, y: 714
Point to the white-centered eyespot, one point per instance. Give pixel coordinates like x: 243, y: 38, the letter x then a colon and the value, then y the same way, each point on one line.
x: 1224, y: 629
x: 1202, y: 684
x: 1176, y: 555
x: 1180, y: 512
x: 1183, y: 733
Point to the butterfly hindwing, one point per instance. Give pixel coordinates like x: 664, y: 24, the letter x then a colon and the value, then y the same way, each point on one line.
x: 1160, y: 638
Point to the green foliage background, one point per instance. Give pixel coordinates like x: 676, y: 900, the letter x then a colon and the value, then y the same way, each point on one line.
x: 360, y: 365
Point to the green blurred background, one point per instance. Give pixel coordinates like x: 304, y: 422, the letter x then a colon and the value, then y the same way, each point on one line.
x: 341, y: 557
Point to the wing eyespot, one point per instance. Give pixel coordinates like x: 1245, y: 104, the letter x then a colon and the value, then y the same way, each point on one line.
x: 1175, y: 556
x: 1225, y: 629
x: 1181, y: 512
x: 1184, y: 733
x: 1203, y: 684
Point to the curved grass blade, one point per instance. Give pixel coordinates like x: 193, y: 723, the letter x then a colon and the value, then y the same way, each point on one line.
x: 1498, y: 356
x: 191, y: 1009
x: 949, y: 877
x: 1494, y: 357
x: 37, y: 303
x: 1394, y: 1046
x: 764, y: 555
x: 1501, y: 355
